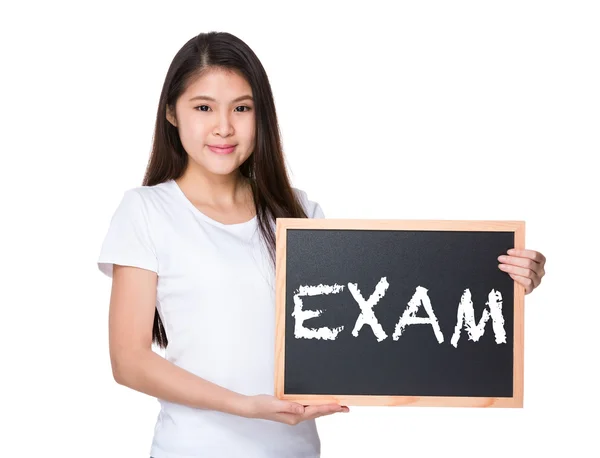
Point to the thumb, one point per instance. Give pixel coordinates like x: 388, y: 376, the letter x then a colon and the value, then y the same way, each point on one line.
x: 290, y: 407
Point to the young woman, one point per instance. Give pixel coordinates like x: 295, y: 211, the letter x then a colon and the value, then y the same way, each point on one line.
x: 191, y: 254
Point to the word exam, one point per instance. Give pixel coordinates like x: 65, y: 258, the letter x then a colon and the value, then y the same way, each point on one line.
x: 465, y: 314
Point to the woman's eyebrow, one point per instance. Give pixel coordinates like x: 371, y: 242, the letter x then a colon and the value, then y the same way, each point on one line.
x: 205, y: 97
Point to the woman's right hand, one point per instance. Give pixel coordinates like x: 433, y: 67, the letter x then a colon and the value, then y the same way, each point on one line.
x: 272, y: 408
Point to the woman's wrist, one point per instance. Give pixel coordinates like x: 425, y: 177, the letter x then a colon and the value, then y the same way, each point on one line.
x: 237, y: 404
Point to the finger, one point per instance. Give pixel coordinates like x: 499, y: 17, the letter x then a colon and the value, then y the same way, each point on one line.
x: 310, y: 412
x: 324, y: 415
x: 527, y: 283
x: 521, y: 271
x: 321, y: 412
x: 342, y: 409
x: 324, y: 409
x: 521, y: 262
x: 537, y: 268
x: 534, y: 255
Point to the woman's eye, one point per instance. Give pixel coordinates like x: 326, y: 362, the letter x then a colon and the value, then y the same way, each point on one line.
x: 206, y: 106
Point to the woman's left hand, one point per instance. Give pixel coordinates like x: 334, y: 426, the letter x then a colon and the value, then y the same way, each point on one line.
x: 524, y: 266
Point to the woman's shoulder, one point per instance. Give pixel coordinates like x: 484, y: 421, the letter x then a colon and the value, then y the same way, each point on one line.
x: 144, y: 202
x: 147, y: 193
x: 150, y: 191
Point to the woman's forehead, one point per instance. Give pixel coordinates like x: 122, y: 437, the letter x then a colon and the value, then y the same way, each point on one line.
x: 222, y: 85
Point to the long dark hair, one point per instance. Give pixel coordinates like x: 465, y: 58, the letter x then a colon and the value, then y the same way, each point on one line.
x: 265, y: 168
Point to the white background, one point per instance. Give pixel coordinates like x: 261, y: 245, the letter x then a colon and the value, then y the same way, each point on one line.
x: 416, y: 110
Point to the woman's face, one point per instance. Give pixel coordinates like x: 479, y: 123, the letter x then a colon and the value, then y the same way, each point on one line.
x: 216, y: 109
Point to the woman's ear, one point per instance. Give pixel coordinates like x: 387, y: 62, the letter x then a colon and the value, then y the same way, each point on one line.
x: 171, y: 117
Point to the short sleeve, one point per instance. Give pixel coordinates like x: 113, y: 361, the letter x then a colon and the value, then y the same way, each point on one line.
x: 312, y: 208
x: 318, y: 211
x: 128, y: 241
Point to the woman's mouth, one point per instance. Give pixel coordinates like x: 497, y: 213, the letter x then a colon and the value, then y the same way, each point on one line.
x: 221, y: 150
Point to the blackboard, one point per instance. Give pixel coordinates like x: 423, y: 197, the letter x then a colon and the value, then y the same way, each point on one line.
x: 398, y: 312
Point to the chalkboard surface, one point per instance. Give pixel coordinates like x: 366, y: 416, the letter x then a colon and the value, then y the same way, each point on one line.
x: 392, y: 312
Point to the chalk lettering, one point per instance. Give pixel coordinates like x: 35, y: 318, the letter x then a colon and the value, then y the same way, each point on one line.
x: 366, y: 309
x: 410, y: 315
x: 301, y: 315
x: 466, y: 314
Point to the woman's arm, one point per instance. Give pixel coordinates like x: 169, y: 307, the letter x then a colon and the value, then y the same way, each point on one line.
x: 137, y: 366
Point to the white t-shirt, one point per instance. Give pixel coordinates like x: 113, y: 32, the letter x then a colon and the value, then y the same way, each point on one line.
x: 216, y: 300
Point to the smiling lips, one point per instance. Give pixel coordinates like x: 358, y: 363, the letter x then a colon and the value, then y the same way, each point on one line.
x: 221, y: 149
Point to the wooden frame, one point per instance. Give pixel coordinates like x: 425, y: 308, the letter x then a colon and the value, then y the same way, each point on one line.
x: 283, y: 224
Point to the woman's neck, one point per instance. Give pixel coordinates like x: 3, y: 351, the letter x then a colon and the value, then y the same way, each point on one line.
x: 216, y: 191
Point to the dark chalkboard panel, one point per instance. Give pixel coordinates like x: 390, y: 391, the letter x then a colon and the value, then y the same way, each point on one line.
x: 397, y: 312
